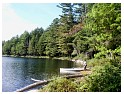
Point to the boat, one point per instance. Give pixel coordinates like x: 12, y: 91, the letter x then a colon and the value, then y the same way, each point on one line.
x: 71, y: 70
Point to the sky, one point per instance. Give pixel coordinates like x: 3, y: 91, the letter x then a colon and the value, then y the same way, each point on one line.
x: 18, y: 17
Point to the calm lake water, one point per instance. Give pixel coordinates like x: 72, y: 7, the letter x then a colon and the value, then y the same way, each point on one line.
x: 17, y: 72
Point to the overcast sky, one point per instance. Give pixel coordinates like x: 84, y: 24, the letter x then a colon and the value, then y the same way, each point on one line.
x: 16, y: 18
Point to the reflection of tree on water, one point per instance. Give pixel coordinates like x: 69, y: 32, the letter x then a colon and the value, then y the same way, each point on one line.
x: 53, y: 66
x: 17, y: 72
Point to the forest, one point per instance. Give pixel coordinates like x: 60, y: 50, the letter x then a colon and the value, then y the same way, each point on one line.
x: 81, y: 29
x: 87, y: 31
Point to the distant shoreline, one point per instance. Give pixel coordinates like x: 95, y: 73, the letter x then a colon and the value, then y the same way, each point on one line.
x: 60, y: 58
x: 78, y: 61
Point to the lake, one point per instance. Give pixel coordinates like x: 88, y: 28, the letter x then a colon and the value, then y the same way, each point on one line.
x: 17, y: 72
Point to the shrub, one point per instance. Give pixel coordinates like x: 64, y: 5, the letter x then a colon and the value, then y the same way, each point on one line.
x: 60, y: 85
x: 97, y: 62
x: 105, y: 78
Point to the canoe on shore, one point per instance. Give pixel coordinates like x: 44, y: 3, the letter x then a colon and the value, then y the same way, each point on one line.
x: 71, y: 70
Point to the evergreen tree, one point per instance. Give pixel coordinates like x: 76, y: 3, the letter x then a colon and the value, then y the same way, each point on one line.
x: 67, y: 18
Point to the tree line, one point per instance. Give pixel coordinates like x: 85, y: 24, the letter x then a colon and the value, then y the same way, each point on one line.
x: 93, y: 30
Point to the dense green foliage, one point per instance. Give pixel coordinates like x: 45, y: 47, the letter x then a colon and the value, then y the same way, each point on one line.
x: 106, y: 78
x: 60, y: 85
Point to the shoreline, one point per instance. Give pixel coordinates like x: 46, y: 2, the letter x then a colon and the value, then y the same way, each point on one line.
x: 59, y: 58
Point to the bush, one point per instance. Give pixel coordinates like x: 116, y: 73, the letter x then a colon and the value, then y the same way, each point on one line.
x: 97, y: 62
x: 60, y: 85
x: 105, y: 78
x: 116, y: 62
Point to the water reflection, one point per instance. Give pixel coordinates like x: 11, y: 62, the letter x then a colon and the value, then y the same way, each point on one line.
x: 17, y: 72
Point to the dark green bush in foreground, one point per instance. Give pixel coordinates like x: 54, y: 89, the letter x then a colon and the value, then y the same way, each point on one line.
x: 60, y: 85
x: 105, y: 78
